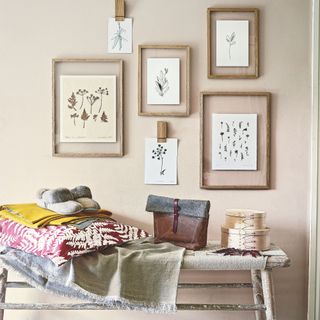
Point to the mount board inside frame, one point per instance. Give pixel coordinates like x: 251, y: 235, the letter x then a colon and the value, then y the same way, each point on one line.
x: 87, y: 108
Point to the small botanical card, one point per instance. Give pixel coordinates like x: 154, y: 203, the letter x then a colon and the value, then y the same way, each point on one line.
x: 120, y: 36
x: 160, y: 165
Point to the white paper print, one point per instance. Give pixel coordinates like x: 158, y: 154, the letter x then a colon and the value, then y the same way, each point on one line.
x: 160, y: 164
x: 163, y: 81
x: 88, y: 108
x: 120, y: 36
x: 234, y: 141
x: 232, y: 43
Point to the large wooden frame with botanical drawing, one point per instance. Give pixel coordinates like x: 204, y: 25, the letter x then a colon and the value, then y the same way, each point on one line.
x: 87, y: 107
x: 235, y: 104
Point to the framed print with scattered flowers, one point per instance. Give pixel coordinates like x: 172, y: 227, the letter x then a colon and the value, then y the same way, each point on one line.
x: 233, y: 43
x: 235, y: 140
x: 87, y: 108
x: 163, y: 80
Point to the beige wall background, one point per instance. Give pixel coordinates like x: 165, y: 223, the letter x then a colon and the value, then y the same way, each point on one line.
x: 35, y: 31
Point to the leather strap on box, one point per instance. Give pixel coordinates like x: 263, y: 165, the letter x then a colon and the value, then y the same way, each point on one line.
x: 175, y: 215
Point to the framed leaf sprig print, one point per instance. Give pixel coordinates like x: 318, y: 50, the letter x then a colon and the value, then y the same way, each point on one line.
x: 235, y: 140
x: 233, y: 43
x: 163, y: 83
x: 87, y: 108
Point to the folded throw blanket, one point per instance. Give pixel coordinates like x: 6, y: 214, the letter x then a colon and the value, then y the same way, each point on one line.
x: 33, y: 216
x: 139, y: 275
x: 62, y: 243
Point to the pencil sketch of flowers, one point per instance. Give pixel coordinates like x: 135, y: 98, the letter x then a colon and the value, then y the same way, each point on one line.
x: 230, y: 39
x: 162, y: 83
x: 84, y: 117
x: 82, y: 93
x: 158, y: 154
x: 104, y: 117
x: 118, y: 37
x: 102, y: 92
x: 92, y: 99
x: 72, y: 102
x: 74, y: 116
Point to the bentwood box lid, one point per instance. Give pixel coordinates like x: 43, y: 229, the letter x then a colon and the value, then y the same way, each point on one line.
x: 192, y: 208
x: 245, y: 213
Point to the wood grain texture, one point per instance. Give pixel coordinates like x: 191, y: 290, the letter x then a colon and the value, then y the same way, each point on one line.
x: 95, y: 306
x: 3, y: 280
x: 268, y: 294
x: 162, y: 131
x: 119, y: 10
x: 257, y: 292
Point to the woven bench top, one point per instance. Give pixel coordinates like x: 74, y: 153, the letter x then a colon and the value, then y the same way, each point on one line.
x: 208, y: 259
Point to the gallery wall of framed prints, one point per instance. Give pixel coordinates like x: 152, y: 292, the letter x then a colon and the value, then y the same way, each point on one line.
x: 235, y: 126
x: 87, y: 107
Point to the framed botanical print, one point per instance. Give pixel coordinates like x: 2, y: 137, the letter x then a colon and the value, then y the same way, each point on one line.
x: 233, y: 43
x: 164, y: 77
x: 87, y: 108
x: 235, y: 140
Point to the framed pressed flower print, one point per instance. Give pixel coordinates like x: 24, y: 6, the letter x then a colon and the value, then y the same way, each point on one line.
x: 163, y: 84
x: 87, y: 108
x: 233, y: 43
x: 235, y: 140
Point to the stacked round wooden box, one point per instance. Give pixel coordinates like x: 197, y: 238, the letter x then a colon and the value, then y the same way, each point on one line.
x: 246, y: 230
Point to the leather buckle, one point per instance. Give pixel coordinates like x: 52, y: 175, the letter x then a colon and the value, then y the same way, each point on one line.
x: 175, y: 215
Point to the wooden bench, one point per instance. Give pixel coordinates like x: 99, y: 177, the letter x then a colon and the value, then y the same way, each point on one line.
x: 261, y: 284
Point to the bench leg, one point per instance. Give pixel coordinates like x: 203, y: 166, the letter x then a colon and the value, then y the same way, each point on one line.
x: 3, y: 281
x: 257, y: 292
x: 268, y: 294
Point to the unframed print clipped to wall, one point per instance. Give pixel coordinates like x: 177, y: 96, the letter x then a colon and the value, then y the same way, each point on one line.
x: 234, y: 141
x: 160, y: 164
x: 120, y: 36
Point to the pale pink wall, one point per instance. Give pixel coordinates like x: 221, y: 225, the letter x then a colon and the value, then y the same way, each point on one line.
x: 34, y: 31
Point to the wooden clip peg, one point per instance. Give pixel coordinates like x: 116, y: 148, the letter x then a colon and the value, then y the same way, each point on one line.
x: 162, y: 131
x: 120, y: 9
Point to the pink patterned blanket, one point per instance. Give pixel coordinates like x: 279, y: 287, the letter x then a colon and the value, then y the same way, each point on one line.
x: 61, y: 243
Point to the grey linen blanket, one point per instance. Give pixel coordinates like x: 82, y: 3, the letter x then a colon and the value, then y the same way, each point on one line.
x: 138, y: 275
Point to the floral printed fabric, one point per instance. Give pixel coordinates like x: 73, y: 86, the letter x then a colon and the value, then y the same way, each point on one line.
x: 61, y: 243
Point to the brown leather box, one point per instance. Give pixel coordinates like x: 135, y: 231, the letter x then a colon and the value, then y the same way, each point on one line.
x: 181, y: 222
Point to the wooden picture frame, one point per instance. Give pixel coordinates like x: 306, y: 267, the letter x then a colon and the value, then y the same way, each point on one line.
x: 233, y: 14
x: 97, y: 68
x: 181, y: 52
x: 258, y: 103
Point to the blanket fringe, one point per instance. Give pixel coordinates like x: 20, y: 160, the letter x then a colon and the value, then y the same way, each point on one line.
x: 115, y: 303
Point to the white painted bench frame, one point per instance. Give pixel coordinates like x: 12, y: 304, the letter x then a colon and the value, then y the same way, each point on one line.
x: 261, y: 284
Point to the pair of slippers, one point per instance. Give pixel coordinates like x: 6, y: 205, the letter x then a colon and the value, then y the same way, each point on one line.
x: 67, y: 201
